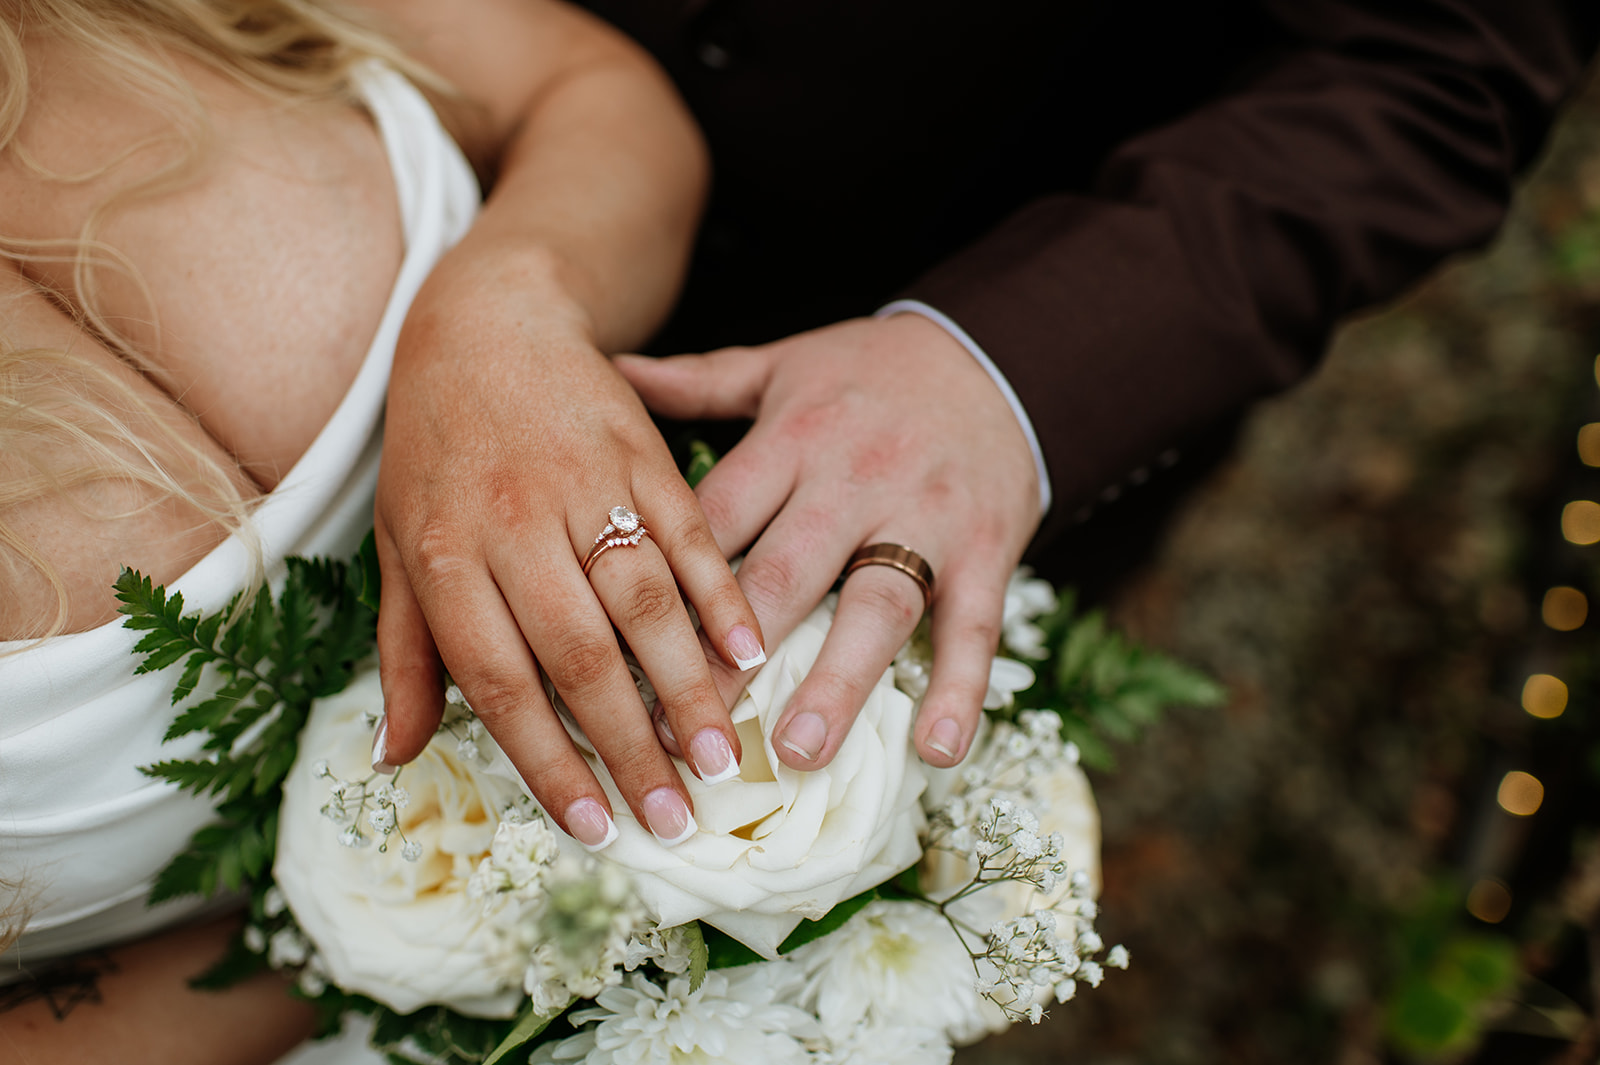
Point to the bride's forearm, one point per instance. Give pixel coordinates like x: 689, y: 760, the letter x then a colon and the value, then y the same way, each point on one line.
x: 596, y: 171
x: 133, y: 1005
x: 600, y: 193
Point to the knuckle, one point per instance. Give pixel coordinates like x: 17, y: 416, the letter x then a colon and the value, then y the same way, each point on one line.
x: 776, y: 578
x: 720, y: 509
x: 634, y: 756
x: 694, y: 697
x: 690, y: 534
x: 582, y: 664
x: 885, y: 455
x: 649, y: 604
x: 438, y: 554
x: 981, y: 633
x: 496, y: 692
x: 892, y: 599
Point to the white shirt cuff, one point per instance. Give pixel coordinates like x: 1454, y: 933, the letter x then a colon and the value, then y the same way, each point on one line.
x: 960, y: 336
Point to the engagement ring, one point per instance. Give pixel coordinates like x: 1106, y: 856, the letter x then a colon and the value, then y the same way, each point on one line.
x: 625, y: 529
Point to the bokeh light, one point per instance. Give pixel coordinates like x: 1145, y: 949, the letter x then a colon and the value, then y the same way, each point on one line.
x: 1520, y: 793
x: 1544, y: 696
x: 1580, y: 521
x: 1589, y: 444
x: 1489, y: 901
x: 1565, y: 608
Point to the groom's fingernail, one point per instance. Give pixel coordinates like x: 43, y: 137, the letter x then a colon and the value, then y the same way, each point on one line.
x: 945, y: 737
x: 380, y: 748
x: 713, y: 758
x: 590, y: 825
x: 668, y: 816
x: 746, y: 650
x: 805, y: 736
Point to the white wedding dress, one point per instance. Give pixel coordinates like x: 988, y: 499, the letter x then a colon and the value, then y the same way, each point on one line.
x: 80, y: 828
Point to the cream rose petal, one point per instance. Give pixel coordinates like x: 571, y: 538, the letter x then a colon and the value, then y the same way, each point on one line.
x: 777, y: 845
x: 405, y: 934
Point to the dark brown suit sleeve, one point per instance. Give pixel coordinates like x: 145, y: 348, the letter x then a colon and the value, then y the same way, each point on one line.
x: 1216, y: 253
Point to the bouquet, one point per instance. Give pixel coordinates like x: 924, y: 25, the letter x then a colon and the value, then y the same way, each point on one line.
x: 876, y: 910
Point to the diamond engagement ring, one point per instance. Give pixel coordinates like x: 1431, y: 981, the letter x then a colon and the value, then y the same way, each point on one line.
x: 625, y: 529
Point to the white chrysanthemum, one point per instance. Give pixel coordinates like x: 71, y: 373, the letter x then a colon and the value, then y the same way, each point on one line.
x: 1027, y: 597
x: 894, y: 963
x: 877, y: 1044
x: 1007, y: 677
x: 913, y: 669
x: 738, y: 1016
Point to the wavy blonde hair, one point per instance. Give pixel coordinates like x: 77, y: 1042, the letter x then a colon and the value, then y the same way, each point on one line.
x: 54, y: 403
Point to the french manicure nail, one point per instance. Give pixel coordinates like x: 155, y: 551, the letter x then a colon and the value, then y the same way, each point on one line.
x: 746, y: 650
x: 380, y: 748
x: 590, y: 825
x: 805, y: 736
x: 713, y: 758
x: 945, y: 737
x: 669, y: 817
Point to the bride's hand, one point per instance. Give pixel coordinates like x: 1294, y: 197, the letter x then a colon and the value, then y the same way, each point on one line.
x: 509, y: 438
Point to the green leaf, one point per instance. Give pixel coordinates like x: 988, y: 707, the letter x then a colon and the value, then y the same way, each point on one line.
x: 831, y: 921
x: 529, y: 1025
x: 699, y: 955
x: 274, y: 767
x: 725, y: 952
x: 701, y: 458
x: 369, y: 581
x: 190, y: 677
x: 184, y: 875
x: 197, y: 777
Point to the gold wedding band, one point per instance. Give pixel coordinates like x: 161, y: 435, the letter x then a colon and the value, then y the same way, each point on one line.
x: 896, y: 556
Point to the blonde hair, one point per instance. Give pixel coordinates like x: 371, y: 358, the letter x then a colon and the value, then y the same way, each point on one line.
x: 55, y: 403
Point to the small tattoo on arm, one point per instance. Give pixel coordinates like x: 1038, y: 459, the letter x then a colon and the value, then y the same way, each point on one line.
x: 62, y: 987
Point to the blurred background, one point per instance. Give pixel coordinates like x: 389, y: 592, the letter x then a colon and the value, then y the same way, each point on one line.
x: 1385, y: 845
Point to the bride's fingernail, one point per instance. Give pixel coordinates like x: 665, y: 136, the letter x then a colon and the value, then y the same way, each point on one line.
x: 805, y: 736
x: 945, y: 737
x: 746, y: 650
x: 590, y: 825
x: 380, y: 748
x: 713, y: 758
x: 668, y: 816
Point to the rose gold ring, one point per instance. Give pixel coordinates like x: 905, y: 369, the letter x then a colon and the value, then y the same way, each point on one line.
x: 625, y: 529
x: 900, y: 557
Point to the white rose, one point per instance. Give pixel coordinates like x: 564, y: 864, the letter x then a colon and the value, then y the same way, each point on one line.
x: 776, y: 845
x: 404, y: 933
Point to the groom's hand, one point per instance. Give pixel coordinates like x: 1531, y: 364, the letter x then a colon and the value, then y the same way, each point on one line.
x: 865, y: 432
